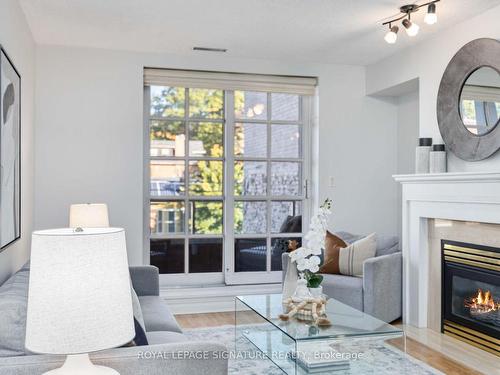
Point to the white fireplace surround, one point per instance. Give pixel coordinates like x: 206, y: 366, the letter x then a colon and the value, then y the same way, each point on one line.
x: 468, y: 196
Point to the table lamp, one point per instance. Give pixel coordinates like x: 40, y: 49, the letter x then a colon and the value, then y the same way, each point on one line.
x: 79, y: 296
x: 88, y: 215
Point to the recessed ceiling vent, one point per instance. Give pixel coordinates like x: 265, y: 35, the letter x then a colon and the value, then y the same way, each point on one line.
x: 208, y: 49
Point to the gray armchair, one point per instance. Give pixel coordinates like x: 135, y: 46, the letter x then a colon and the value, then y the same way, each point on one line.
x: 378, y: 292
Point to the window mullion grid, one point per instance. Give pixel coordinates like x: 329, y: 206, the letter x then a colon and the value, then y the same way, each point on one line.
x: 251, y: 158
x: 251, y: 235
x: 205, y: 158
x: 147, y: 172
x: 229, y: 185
x: 306, y: 118
x: 194, y: 119
x: 268, y: 185
x: 264, y: 122
x: 187, y: 207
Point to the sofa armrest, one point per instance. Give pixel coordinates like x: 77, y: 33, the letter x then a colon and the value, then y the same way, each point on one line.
x: 175, y: 358
x: 382, y: 286
x: 145, y: 280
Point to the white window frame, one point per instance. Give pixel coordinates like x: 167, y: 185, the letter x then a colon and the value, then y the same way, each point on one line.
x: 185, y: 278
x: 228, y: 276
x: 268, y: 276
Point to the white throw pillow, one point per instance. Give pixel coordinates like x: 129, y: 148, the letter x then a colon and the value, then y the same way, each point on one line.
x: 351, y: 258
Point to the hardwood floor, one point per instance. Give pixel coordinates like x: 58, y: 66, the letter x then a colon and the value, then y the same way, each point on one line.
x: 434, y: 358
x: 413, y: 347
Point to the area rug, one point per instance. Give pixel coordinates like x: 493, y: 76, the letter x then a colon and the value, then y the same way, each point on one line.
x: 382, y: 358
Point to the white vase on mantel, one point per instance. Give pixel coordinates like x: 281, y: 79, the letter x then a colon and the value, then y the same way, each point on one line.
x: 290, y: 281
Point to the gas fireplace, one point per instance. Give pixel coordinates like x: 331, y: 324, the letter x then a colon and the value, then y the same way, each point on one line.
x: 471, y: 294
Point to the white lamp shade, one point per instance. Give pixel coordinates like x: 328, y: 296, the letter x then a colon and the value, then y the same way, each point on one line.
x: 79, y: 297
x: 88, y: 215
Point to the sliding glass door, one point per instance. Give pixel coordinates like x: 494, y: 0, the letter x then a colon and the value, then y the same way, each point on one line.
x: 266, y: 185
x: 186, y: 143
x: 227, y: 172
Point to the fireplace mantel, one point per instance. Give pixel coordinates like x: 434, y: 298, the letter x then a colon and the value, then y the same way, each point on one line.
x: 448, y: 177
x: 466, y: 196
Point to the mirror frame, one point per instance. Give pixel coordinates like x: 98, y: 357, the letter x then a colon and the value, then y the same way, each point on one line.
x: 484, y: 52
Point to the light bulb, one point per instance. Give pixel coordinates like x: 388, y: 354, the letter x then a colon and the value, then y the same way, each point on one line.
x: 411, y: 27
x: 392, y: 35
x: 431, y: 16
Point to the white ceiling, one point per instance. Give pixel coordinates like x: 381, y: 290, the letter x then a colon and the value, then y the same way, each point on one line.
x: 334, y: 31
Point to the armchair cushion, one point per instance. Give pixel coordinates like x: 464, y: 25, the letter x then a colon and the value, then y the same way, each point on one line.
x: 387, y: 245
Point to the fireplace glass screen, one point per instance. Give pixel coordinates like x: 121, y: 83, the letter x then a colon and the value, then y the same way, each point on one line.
x: 471, y: 294
x: 477, y: 301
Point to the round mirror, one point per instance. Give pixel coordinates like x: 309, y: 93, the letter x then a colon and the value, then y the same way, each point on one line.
x: 480, y: 101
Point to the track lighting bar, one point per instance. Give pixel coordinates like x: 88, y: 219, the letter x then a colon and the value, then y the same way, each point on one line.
x: 411, y: 28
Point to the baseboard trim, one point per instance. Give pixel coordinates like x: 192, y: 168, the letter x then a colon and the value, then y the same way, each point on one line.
x: 218, y: 298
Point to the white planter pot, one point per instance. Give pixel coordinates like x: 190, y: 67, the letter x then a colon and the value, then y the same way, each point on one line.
x: 291, y: 277
x: 316, y: 292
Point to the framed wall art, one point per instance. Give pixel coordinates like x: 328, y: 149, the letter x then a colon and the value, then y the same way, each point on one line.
x: 10, y: 151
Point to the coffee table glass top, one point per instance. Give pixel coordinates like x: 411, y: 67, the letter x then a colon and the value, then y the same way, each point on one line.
x: 346, y: 321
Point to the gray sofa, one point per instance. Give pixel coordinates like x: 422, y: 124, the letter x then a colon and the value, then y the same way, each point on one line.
x: 162, y: 331
x: 378, y: 292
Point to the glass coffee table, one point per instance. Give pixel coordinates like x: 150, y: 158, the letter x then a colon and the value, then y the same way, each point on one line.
x: 353, y: 343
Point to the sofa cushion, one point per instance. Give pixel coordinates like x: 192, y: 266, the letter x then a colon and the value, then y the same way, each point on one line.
x: 13, y: 305
x: 157, y: 316
x: 346, y: 289
x: 164, y: 337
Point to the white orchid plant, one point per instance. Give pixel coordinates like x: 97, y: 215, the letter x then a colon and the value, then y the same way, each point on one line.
x: 307, y: 256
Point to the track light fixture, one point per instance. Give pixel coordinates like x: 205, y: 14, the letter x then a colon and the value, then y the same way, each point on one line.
x: 411, y: 27
x: 392, y: 34
x: 431, y: 16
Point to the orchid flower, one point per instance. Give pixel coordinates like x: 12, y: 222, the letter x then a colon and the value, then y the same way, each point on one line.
x: 306, y: 257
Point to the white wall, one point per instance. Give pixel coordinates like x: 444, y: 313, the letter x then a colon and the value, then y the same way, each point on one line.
x: 427, y: 62
x: 18, y: 43
x: 89, y: 136
x: 407, y: 139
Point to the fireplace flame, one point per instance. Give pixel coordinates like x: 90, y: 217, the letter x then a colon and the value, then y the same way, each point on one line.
x: 482, y: 302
